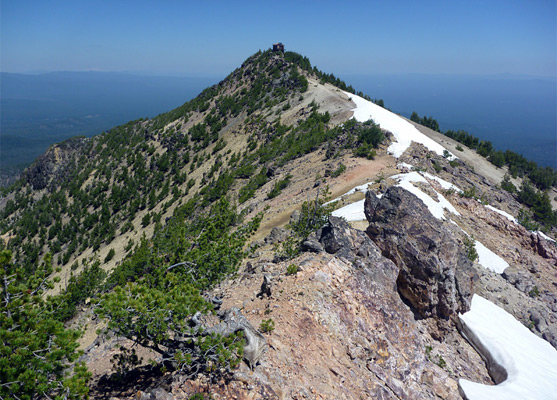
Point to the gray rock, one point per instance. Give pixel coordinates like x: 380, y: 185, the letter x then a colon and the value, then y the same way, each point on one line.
x: 537, y: 318
x: 233, y: 321
x: 369, y: 205
x: 335, y: 235
x: 436, y: 277
x: 312, y: 244
x: 161, y: 394
x: 295, y: 217
x: 265, y: 287
x: 518, y: 279
x: 55, y: 164
x: 277, y: 235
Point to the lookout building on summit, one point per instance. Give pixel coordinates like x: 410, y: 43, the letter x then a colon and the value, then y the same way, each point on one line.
x: 278, y: 47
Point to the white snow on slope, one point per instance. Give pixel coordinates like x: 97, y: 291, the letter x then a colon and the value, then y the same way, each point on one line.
x: 444, y: 184
x: 352, y: 212
x: 355, y: 211
x: 529, y: 361
x: 435, y: 207
x: 543, y: 235
x: 490, y: 260
x: 361, y: 188
x: 404, y: 132
x: 503, y: 213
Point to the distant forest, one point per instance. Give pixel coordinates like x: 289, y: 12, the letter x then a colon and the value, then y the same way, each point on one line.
x: 40, y: 110
x: 534, y: 176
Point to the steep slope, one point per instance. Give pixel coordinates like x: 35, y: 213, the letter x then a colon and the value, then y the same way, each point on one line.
x: 160, y: 212
x: 82, y: 204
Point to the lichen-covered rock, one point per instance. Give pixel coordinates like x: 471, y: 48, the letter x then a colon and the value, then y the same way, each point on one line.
x: 435, y: 277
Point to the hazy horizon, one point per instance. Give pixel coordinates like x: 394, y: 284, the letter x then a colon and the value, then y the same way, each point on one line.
x: 356, y: 41
x: 38, y: 110
x: 359, y: 37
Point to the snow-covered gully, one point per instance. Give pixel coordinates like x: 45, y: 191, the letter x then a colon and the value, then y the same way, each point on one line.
x: 522, y: 365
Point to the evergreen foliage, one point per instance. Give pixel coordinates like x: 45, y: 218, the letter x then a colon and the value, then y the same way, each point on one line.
x: 159, y: 288
x: 542, y: 177
x: 36, y: 351
x: 279, y: 186
x: 428, y: 122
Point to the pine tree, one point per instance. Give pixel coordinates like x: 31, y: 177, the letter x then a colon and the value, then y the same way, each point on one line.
x: 36, y: 351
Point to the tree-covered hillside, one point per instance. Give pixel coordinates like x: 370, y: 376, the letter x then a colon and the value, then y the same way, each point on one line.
x: 145, y: 214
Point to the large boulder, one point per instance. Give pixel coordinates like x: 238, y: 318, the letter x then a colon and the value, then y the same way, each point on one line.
x: 436, y: 278
x: 337, y: 237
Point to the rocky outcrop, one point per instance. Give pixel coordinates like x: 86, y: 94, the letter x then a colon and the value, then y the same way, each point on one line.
x: 436, y: 277
x: 55, y: 164
x: 342, y: 330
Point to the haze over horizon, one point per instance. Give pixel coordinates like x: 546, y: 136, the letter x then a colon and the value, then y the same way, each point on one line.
x: 212, y: 38
x: 422, y: 45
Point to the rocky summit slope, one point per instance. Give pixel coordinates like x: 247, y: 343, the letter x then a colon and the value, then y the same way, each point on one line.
x: 364, y: 303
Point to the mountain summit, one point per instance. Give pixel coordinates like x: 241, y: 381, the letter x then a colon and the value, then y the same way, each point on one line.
x: 278, y: 237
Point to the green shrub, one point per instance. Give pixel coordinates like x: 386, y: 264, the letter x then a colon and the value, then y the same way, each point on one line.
x: 279, y: 186
x: 507, y: 185
x: 470, y: 245
x: 365, y: 151
x: 146, y: 220
x: 267, y: 326
x: 441, y: 362
x: 469, y: 193
x: 110, y: 255
x: 253, y: 184
x: 525, y: 219
x: 337, y: 172
x: 292, y: 269
x: 535, y: 292
x: 201, y: 396
x: 36, y: 350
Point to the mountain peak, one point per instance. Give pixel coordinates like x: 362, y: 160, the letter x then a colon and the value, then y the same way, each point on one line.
x: 154, y: 219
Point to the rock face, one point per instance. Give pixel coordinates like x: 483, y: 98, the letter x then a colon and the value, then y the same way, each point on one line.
x: 343, y: 331
x: 53, y: 164
x: 435, y: 277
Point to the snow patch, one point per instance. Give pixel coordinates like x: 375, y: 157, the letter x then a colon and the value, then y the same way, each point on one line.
x: 355, y: 211
x: 352, y: 212
x: 523, y: 365
x: 408, y: 167
x: 435, y: 207
x: 404, y: 132
x: 503, y: 213
x: 362, y: 188
x: 490, y: 260
x: 444, y: 184
x: 543, y: 235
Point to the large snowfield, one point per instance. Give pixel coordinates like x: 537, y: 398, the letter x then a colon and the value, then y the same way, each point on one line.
x: 404, y: 132
x: 529, y: 361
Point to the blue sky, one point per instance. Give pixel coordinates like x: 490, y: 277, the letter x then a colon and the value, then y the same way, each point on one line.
x: 211, y: 38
